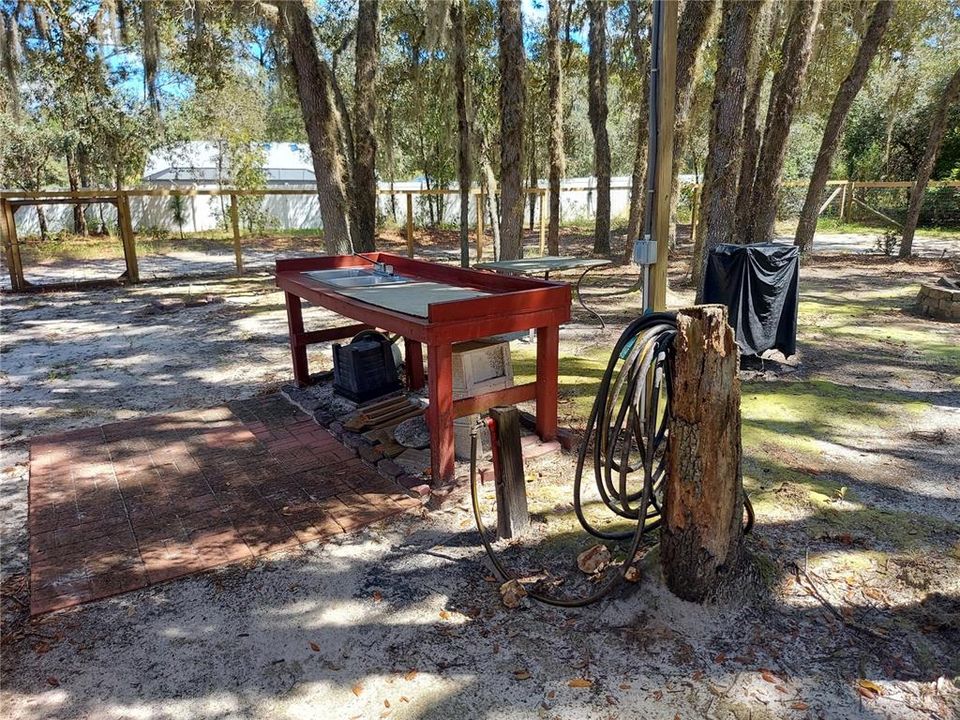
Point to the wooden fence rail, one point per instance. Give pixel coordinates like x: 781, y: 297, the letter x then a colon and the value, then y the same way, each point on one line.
x: 10, y: 201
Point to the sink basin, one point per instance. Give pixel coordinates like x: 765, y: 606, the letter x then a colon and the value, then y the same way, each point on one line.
x: 326, y: 276
x: 354, y: 277
x: 365, y: 280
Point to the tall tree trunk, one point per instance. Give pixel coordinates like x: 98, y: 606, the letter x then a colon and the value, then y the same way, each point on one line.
x: 925, y: 170
x: 464, y: 166
x: 490, y: 192
x: 322, y: 121
x: 391, y: 162
x: 42, y: 223
x: 364, y: 134
x: 73, y: 177
x: 512, y: 61
x: 555, y: 113
x: 757, y: 65
x: 719, y: 195
x: 532, y: 166
x: 784, y: 97
x: 849, y: 88
x: 692, y: 35
x: 638, y: 177
x: 150, y: 47
x: 597, y: 110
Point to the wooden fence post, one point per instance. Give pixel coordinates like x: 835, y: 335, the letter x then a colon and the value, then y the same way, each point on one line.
x: 846, y: 199
x: 125, y: 220
x: 701, y: 537
x: 512, y: 514
x: 409, y: 224
x: 11, y: 247
x: 235, y: 224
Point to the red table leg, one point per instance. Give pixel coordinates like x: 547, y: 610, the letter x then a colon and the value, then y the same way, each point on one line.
x: 548, y: 366
x: 298, y: 350
x: 440, y: 412
x: 413, y: 360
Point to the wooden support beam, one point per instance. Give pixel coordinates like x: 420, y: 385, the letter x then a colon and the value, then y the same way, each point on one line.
x: 826, y: 203
x: 481, y: 403
x: 235, y: 224
x: 701, y: 538
x: 11, y: 247
x: 513, y: 517
x: 845, y: 202
x: 125, y: 221
x: 409, y: 224
x: 667, y: 79
x: 879, y: 214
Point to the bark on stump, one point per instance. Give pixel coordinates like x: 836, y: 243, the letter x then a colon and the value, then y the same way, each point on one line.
x: 702, y: 533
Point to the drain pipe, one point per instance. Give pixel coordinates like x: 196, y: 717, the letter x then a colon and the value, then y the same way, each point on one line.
x: 645, y: 247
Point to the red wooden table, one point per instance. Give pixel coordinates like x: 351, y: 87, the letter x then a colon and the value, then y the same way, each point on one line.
x: 488, y: 304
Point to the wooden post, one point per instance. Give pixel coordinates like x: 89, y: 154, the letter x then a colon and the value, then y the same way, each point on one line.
x: 11, y: 247
x: 235, y: 224
x: 409, y: 224
x: 480, y: 201
x: 845, y: 202
x: 702, y: 534
x: 667, y: 78
x: 125, y: 220
x: 513, y: 518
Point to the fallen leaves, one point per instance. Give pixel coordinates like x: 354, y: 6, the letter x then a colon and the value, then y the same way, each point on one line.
x: 357, y: 689
x: 314, y: 647
x: 410, y: 675
x: 580, y: 683
x: 869, y: 689
x: 521, y: 674
x: 799, y: 705
x: 594, y: 559
x: 632, y: 575
x: 769, y: 677
x: 511, y: 593
x: 53, y: 682
x: 377, y: 596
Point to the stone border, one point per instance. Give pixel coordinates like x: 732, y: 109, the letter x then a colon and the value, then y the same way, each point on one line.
x: 417, y: 486
x: 939, y: 302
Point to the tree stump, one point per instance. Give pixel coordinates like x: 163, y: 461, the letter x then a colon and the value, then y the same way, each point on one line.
x: 701, y: 536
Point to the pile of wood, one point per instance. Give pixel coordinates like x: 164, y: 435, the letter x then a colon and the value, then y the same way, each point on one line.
x: 377, y: 422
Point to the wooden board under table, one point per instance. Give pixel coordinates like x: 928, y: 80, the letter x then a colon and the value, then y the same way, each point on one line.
x: 441, y: 306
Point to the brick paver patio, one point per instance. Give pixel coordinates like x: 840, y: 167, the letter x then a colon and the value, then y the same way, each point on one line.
x: 123, y: 506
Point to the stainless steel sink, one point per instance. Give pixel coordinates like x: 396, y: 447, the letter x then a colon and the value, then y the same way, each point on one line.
x: 326, y: 276
x: 370, y: 279
x: 354, y: 277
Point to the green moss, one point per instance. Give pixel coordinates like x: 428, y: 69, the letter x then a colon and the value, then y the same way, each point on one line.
x: 795, y: 416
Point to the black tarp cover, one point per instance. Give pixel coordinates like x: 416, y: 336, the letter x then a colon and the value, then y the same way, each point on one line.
x: 759, y: 285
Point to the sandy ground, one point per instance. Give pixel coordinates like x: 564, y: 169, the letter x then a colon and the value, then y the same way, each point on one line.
x: 401, y: 620
x: 216, y: 258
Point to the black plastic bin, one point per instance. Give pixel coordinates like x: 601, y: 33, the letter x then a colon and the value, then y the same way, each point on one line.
x: 759, y: 285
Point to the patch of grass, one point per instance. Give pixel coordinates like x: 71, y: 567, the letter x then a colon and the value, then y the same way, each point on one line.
x: 834, y: 226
